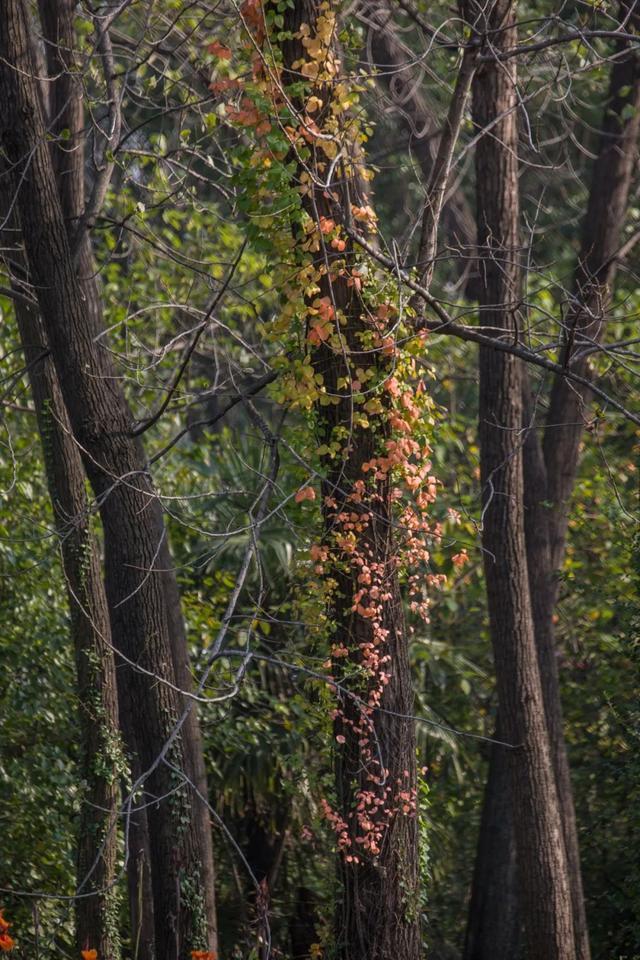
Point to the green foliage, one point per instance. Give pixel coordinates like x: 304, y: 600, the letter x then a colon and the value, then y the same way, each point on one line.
x: 165, y: 245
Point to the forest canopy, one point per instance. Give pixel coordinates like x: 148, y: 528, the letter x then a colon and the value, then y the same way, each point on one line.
x: 319, y: 479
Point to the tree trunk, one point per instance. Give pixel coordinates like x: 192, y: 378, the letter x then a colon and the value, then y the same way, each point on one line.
x: 377, y: 914
x: 97, y: 907
x: 597, y: 264
x: 542, y: 586
x: 494, y: 924
x: 542, y: 869
x: 139, y: 887
x: 551, y: 469
x: 67, y: 111
x: 64, y: 107
x: 193, y: 746
x: 131, y: 513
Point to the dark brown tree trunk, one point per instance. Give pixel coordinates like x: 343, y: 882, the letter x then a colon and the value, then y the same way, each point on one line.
x: 494, y: 854
x: 542, y: 585
x: 378, y: 911
x: 139, y: 886
x: 550, y: 473
x: 65, y: 108
x: 131, y: 513
x: 551, y: 468
x: 542, y: 870
x: 378, y: 915
x: 494, y: 929
x: 303, y: 925
x: 97, y: 908
x: 597, y: 264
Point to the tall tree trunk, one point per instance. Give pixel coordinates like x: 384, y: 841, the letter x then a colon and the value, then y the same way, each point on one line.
x: 551, y: 468
x: 65, y: 110
x: 494, y: 928
x: 68, y: 114
x: 542, y: 586
x: 97, y: 907
x: 377, y: 913
x: 554, y: 468
x: 139, y: 886
x: 597, y: 264
x: 131, y: 514
x: 195, y: 767
x: 542, y: 869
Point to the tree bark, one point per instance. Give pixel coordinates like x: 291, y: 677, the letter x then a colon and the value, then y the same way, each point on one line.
x: 131, y: 513
x: 68, y: 114
x: 139, y: 886
x: 542, y: 586
x: 195, y: 767
x: 554, y: 468
x: 542, y: 870
x: 550, y: 470
x: 595, y: 273
x: 377, y: 913
x: 64, y: 107
x: 97, y: 906
x: 494, y: 920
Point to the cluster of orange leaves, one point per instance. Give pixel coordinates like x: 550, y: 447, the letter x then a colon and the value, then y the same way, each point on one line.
x: 6, y: 942
x: 305, y: 493
x: 219, y: 50
x: 253, y: 16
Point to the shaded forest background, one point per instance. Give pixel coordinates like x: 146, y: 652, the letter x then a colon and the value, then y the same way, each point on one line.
x: 184, y: 249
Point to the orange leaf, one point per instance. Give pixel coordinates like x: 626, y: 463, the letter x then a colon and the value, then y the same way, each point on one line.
x: 227, y: 83
x: 306, y: 493
x: 219, y: 50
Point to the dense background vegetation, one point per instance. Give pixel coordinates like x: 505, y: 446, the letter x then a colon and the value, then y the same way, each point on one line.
x: 184, y: 219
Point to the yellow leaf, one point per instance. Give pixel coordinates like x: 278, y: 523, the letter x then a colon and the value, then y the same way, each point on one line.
x: 330, y: 148
x: 313, y: 47
x: 310, y: 70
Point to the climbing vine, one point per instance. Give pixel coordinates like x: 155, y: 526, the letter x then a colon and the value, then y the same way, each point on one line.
x: 346, y: 354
